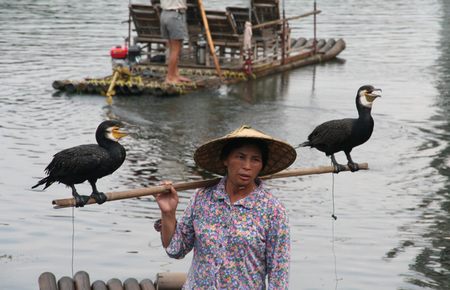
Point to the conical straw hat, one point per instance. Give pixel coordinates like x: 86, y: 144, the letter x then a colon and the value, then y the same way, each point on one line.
x: 280, y: 154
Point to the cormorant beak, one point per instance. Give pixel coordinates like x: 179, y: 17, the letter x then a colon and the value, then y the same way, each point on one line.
x: 372, y: 95
x: 117, y: 133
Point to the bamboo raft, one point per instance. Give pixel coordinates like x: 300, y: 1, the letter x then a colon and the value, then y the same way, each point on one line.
x: 81, y: 281
x: 148, y: 79
x: 225, y: 60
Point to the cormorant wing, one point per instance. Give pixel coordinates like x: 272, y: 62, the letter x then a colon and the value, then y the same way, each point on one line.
x: 331, y: 133
x: 77, y: 161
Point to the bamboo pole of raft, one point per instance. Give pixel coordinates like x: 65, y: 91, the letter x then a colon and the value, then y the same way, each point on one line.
x: 209, y: 38
x: 155, y: 190
x: 110, y: 91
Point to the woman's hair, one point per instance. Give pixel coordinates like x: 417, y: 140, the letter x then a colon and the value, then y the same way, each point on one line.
x: 239, y: 142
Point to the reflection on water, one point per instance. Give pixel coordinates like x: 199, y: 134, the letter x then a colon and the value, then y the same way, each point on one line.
x: 433, y: 261
x: 393, y: 225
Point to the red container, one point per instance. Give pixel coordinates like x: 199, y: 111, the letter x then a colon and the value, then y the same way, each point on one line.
x: 119, y: 52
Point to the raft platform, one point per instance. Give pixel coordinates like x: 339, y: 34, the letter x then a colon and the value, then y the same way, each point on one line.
x: 148, y: 79
x: 224, y: 47
x: 81, y: 281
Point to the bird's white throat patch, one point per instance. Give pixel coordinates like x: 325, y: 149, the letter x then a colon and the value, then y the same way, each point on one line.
x: 364, y: 101
x: 110, y: 135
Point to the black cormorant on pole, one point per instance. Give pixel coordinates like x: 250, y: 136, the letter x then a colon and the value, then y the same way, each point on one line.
x: 88, y: 162
x: 345, y: 134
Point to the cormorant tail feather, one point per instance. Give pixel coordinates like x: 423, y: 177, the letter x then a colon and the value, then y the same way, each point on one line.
x: 304, y: 144
x: 42, y: 181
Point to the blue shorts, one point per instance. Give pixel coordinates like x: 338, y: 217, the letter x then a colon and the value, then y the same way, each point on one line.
x: 173, y: 24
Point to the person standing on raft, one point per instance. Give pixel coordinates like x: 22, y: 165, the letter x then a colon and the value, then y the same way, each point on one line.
x: 239, y: 231
x: 174, y: 29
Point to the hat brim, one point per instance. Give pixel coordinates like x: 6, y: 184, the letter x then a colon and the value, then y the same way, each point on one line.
x: 280, y: 154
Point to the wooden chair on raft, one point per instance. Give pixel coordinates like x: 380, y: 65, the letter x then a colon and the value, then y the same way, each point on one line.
x: 266, y: 10
x: 263, y: 38
x: 271, y: 35
x: 194, y: 19
x: 147, y: 26
x: 224, y: 33
x: 240, y: 15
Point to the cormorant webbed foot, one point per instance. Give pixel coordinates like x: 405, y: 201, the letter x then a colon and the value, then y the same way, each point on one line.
x: 338, y: 168
x: 353, y: 166
x: 99, y: 197
x: 80, y: 200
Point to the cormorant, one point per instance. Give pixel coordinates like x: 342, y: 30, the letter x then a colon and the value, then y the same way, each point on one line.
x: 345, y: 134
x: 88, y: 162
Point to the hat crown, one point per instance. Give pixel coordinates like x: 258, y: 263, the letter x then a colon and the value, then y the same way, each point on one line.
x: 280, y: 156
x: 246, y: 131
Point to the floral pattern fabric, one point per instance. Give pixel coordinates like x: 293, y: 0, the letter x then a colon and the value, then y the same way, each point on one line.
x: 236, y: 246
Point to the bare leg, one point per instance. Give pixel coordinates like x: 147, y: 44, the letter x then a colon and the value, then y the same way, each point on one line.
x: 352, y: 165
x: 337, y: 167
x: 173, y: 74
x: 99, y: 197
x: 80, y: 200
x: 172, y: 66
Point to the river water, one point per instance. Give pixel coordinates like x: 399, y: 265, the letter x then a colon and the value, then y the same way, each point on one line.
x: 393, y: 226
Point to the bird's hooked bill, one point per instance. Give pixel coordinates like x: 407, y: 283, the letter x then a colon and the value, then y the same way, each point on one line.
x: 117, y: 133
x: 372, y: 95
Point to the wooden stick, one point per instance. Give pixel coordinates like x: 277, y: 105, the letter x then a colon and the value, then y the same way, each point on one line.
x: 155, y: 190
x: 209, y: 38
x: 110, y: 92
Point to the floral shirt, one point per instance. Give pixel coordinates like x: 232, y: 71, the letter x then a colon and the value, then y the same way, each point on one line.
x: 235, y: 245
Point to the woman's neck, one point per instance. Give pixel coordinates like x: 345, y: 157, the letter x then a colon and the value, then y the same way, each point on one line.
x: 236, y: 193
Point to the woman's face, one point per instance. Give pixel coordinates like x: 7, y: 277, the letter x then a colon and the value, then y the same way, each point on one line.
x: 243, y: 165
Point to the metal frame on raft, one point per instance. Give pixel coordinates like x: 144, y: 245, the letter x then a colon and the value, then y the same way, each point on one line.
x: 269, y: 50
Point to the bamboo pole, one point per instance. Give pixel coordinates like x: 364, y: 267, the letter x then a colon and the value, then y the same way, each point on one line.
x: 283, y: 37
x: 315, y: 28
x: 155, y: 190
x: 118, y: 71
x: 110, y: 92
x: 209, y: 38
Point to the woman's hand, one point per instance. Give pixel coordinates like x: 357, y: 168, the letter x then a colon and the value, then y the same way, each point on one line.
x: 168, y: 201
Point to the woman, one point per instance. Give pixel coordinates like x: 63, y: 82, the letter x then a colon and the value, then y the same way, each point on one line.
x: 239, y: 231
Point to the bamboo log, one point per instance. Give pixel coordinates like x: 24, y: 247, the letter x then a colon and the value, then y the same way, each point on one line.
x: 147, y: 284
x: 155, y: 190
x: 98, y: 285
x: 82, y: 280
x: 114, y: 284
x: 170, y: 280
x: 209, y: 38
x: 66, y: 283
x: 302, y: 59
x: 47, y: 281
x: 131, y: 284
